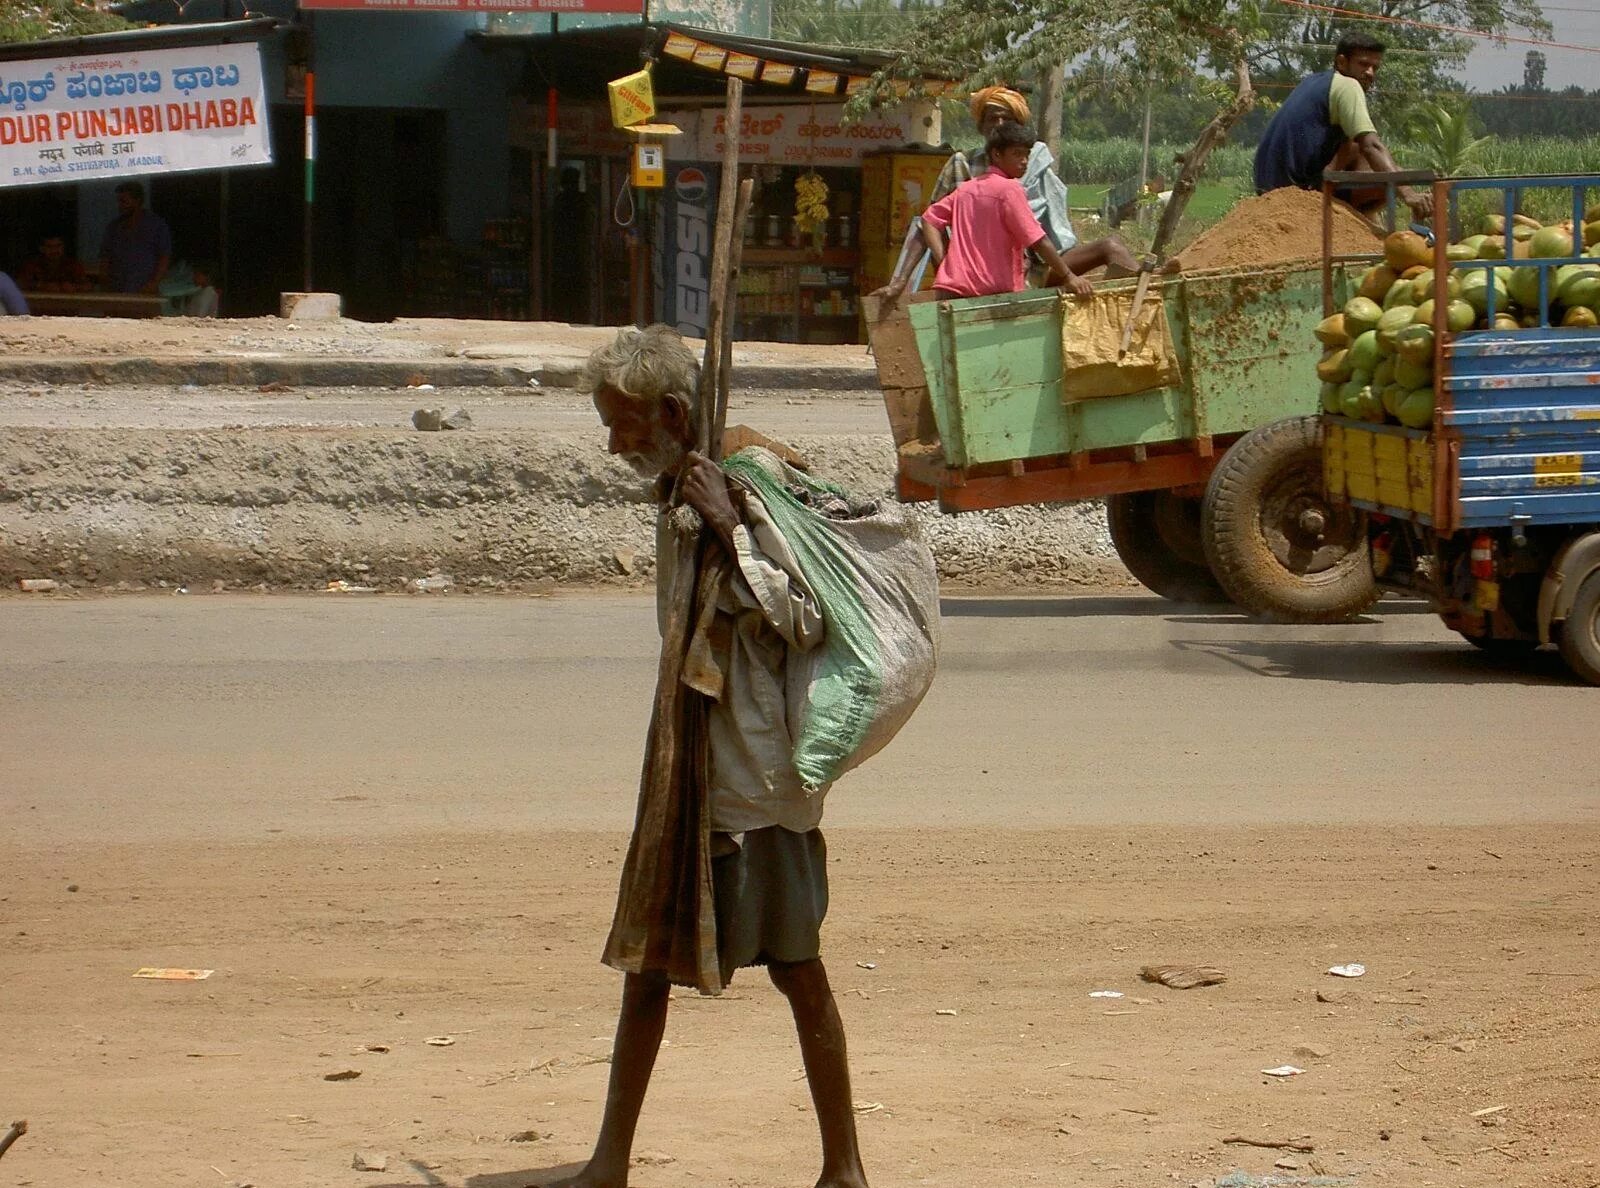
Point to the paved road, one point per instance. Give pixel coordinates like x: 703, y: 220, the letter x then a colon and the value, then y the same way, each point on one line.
x: 234, y: 717
x: 548, y: 410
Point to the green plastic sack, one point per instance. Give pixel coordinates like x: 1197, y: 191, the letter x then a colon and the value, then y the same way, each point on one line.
x: 878, y: 591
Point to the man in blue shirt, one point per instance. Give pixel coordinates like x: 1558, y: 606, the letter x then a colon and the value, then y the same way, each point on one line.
x: 11, y: 299
x: 1324, y: 124
x: 137, y: 246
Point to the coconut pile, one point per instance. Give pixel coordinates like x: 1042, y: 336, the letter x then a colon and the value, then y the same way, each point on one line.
x: 1377, y: 363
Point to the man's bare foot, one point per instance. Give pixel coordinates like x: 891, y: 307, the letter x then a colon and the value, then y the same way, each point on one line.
x: 855, y: 1180
x: 592, y: 1176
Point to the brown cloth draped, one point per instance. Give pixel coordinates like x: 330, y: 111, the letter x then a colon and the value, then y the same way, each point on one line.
x: 666, y: 913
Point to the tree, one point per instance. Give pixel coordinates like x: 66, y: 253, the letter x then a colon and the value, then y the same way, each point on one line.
x: 844, y: 22
x: 1116, y: 46
x: 1441, y: 140
x: 34, y: 20
x: 1533, y: 72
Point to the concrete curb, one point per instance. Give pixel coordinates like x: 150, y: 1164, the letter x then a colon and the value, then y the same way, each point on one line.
x: 382, y: 373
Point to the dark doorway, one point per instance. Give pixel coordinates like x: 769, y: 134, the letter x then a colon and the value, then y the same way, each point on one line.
x: 28, y: 214
x: 380, y: 210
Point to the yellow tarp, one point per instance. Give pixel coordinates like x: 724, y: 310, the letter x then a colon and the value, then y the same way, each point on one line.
x: 1091, y: 333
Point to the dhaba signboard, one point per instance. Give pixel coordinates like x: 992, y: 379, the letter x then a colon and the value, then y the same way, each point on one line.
x: 134, y: 112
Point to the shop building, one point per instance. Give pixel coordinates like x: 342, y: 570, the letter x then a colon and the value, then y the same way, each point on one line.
x: 466, y: 166
x: 646, y: 252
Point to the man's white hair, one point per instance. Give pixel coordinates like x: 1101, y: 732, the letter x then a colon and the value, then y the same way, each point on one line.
x: 650, y: 363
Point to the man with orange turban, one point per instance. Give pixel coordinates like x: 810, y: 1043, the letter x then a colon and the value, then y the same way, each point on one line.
x: 1047, y: 198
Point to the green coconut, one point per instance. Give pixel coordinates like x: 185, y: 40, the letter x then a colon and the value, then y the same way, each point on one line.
x: 1334, y: 367
x: 1524, y: 287
x: 1475, y: 287
x: 1550, y: 243
x: 1411, y: 374
x: 1399, y: 294
x: 1360, y: 315
x: 1363, y: 354
x: 1383, y: 374
x: 1392, y: 322
x: 1330, y: 332
x: 1580, y: 315
x: 1391, y: 395
x: 1459, y: 316
x: 1578, y: 284
x: 1415, y: 408
x: 1329, y: 397
x: 1376, y: 282
x: 1422, y: 286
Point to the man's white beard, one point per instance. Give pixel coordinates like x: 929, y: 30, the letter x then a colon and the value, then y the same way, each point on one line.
x: 666, y: 456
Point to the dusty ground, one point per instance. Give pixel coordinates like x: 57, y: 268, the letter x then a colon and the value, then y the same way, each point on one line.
x: 1482, y: 993
x: 385, y: 820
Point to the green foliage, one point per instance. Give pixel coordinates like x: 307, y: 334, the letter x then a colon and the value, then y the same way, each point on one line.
x: 1442, y: 141
x: 1122, y: 50
x: 34, y: 20
x: 844, y: 22
x: 1114, y: 159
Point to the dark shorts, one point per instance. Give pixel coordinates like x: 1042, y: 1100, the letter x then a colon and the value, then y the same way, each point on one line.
x: 771, y: 893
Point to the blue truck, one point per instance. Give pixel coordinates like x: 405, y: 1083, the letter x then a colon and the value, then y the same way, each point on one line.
x: 1492, y: 511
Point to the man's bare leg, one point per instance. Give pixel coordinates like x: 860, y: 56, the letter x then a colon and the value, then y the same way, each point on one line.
x: 822, y: 1048
x: 640, y: 1024
x: 1109, y: 252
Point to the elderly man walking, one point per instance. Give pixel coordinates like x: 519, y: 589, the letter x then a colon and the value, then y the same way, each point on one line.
x: 720, y: 762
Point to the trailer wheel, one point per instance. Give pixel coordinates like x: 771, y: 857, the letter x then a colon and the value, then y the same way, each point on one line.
x: 1580, y: 631
x: 1157, y: 535
x: 1276, y: 544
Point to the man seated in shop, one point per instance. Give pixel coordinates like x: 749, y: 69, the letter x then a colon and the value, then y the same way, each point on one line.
x: 136, y: 250
x: 52, y: 270
x: 1324, y: 124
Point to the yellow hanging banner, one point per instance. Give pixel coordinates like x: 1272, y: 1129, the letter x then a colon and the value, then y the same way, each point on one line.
x: 709, y: 57
x: 821, y: 82
x: 679, y: 46
x: 743, y: 66
x: 633, y: 99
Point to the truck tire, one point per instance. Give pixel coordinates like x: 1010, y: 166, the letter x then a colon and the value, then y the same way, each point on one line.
x: 1277, y: 546
x: 1580, y: 631
x: 1157, y: 535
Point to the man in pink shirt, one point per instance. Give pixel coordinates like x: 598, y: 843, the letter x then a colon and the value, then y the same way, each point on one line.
x: 991, y: 227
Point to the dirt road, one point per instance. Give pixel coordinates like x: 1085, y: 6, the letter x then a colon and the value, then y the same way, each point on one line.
x: 385, y: 820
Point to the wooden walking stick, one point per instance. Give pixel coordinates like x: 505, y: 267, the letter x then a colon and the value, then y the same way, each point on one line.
x: 723, y: 240
x: 18, y: 1129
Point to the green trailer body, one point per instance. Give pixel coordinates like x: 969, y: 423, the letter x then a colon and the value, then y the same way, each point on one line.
x: 985, y: 415
x: 1216, y: 473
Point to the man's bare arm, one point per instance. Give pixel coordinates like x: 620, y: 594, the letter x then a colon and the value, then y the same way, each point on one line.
x: 1059, y: 272
x: 1377, y: 158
